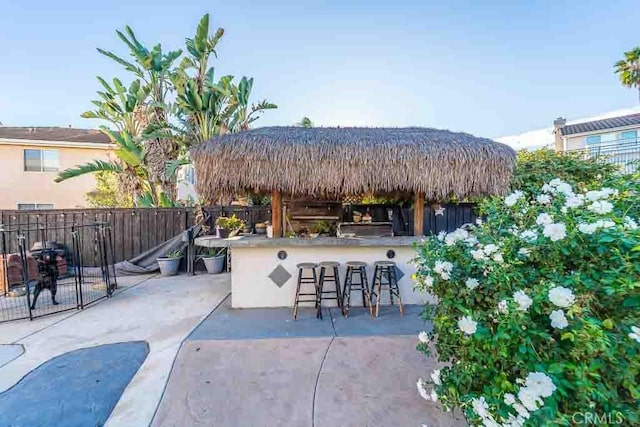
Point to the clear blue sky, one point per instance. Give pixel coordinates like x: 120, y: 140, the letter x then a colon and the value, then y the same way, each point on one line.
x: 489, y: 68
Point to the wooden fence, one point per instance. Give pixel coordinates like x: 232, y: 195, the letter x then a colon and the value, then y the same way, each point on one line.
x: 139, y: 229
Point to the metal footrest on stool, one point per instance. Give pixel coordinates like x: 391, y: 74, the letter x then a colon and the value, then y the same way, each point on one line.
x: 355, y: 268
x: 302, y: 280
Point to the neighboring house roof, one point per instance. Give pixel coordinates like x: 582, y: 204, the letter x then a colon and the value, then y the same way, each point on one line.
x: 603, y: 124
x: 54, y: 134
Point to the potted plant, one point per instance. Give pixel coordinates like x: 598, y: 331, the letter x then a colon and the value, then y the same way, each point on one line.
x: 214, y: 260
x: 228, y: 225
x: 170, y: 262
x: 319, y: 228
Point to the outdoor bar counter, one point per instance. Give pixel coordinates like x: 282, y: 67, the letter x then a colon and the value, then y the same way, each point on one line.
x: 264, y: 273
x: 313, y: 177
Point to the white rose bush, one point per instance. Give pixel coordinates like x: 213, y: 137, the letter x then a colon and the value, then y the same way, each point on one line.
x: 538, y: 313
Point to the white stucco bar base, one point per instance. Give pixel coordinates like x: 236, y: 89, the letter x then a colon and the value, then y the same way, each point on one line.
x: 251, y: 266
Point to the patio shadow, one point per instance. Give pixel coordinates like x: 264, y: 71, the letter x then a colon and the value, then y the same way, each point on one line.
x: 79, y: 388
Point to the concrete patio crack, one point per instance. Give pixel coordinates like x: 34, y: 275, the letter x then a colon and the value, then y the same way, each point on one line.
x: 315, y: 387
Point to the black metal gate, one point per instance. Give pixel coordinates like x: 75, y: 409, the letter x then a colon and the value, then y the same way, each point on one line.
x: 56, y: 267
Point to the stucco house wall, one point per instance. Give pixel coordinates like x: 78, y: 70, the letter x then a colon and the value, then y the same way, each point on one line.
x: 26, y: 187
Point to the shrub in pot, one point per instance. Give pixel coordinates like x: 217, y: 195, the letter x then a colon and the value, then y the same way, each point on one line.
x: 214, y: 261
x: 538, y: 315
x: 229, y: 225
x: 169, y: 263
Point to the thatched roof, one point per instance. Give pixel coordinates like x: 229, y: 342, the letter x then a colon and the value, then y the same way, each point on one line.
x: 339, y: 161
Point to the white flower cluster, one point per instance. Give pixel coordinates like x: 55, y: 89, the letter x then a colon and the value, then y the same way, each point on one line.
x: 635, y: 334
x: 535, y: 387
x: 560, y: 297
x: 513, y: 198
x: 467, y: 325
x: 423, y: 337
x: 529, y: 235
x: 472, y: 283
x: 426, y: 395
x: 456, y: 236
x: 523, y: 300
x: 604, y: 193
x: 490, y: 251
x: 443, y: 268
x: 558, y: 186
x: 555, y: 231
x: 601, y: 207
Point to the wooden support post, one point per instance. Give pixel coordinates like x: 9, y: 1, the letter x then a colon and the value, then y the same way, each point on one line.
x: 276, y: 213
x: 418, y: 215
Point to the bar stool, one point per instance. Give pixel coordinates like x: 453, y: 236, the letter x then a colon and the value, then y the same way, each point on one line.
x: 302, y: 280
x: 358, y: 268
x: 388, y: 269
x: 334, y: 277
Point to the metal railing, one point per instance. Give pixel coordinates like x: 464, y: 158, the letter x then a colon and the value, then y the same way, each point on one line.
x: 623, y: 152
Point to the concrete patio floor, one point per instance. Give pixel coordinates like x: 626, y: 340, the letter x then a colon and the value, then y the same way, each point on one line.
x: 160, y: 311
x: 258, y: 367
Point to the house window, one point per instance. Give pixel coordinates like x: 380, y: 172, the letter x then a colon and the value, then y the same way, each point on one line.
x: 629, y: 135
x: 593, y: 139
x: 41, y: 160
x: 34, y: 206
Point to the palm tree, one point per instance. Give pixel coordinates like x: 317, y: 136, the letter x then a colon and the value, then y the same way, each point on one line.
x: 305, y: 122
x: 628, y: 69
x: 133, y: 177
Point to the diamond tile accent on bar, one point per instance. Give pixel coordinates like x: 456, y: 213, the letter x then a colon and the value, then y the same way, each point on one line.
x: 399, y: 274
x: 279, y: 275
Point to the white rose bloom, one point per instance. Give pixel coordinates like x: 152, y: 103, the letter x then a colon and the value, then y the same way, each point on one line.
x: 513, y: 198
x: 509, y: 399
x: 478, y: 254
x: 424, y: 337
x: 524, y: 252
x: 543, y: 219
x: 547, y: 188
x: 433, y: 395
x: 456, y: 236
x: 480, y: 407
x: 428, y: 281
x: 540, y: 383
x: 594, y: 195
x: 630, y: 223
x: 558, y: 320
x: 555, y: 231
x: 600, y: 207
x: 443, y: 268
x: 490, y: 248
x: 609, y: 192
x: 497, y: 257
x: 435, y: 377
x: 468, y: 325
x: 561, y: 297
x: 422, y: 390
x: 523, y: 300
x: 521, y: 410
x: 574, y: 201
x: 543, y: 199
x: 587, y: 228
x: 604, y: 223
x: 565, y: 189
x: 503, y: 306
x: 529, y: 235
x: 472, y: 283
x: 529, y: 398
x: 442, y: 235
x: 635, y: 334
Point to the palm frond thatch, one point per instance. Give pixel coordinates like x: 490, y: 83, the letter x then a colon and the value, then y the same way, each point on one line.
x: 338, y: 161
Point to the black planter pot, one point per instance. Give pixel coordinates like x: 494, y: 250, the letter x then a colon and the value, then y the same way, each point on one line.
x: 223, y: 232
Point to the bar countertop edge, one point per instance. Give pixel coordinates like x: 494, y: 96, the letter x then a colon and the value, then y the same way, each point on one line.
x: 259, y: 242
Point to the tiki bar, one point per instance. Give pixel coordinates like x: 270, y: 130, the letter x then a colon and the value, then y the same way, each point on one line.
x: 347, y: 207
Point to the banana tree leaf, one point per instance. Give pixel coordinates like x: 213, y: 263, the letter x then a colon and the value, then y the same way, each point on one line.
x: 91, y: 167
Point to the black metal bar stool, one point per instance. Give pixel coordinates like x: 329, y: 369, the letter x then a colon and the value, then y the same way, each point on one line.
x: 355, y: 268
x: 302, y: 280
x: 385, y: 269
x: 332, y: 268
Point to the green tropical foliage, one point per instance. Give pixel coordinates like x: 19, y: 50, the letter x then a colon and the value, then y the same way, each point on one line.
x: 172, y: 103
x: 107, y: 194
x: 305, y: 122
x: 628, y: 69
